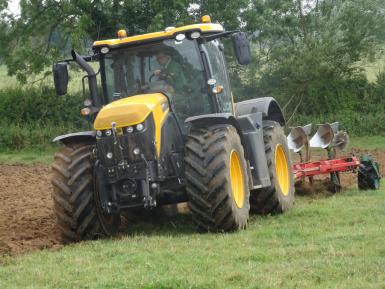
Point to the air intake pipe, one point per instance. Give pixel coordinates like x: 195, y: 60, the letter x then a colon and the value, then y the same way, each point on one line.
x: 92, y: 82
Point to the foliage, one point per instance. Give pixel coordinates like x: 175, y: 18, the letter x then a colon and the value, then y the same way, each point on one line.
x: 45, y: 30
x: 305, y: 53
x: 31, y: 136
x: 39, y: 105
x: 31, y: 117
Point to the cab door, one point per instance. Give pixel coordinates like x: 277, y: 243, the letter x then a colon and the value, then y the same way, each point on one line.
x: 218, y: 71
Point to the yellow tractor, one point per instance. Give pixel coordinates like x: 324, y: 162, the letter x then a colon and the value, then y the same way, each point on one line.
x: 166, y: 130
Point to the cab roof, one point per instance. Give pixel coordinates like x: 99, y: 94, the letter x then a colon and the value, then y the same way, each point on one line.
x: 167, y: 33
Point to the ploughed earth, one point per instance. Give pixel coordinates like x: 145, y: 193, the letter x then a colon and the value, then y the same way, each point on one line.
x: 27, y: 220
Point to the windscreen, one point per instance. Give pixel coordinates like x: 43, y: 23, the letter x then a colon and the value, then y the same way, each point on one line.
x: 172, y: 67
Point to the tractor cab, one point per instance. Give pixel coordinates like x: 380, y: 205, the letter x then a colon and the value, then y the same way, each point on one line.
x: 173, y: 68
x: 186, y: 64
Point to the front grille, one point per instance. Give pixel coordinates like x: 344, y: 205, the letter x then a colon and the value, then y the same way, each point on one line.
x: 128, y: 142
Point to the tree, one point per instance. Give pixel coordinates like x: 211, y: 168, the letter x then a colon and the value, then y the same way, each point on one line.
x: 307, y: 51
x: 44, y: 29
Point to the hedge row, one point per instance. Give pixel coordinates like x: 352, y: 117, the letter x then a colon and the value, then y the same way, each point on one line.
x: 32, y: 117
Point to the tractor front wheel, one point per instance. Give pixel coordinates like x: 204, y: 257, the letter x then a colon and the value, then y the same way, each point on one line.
x: 217, y: 179
x: 79, y: 216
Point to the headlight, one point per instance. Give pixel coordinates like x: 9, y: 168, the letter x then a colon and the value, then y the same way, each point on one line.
x: 129, y: 129
x: 108, y: 132
x: 136, y: 151
x: 139, y: 127
x: 195, y: 34
x: 104, y: 50
x: 99, y: 133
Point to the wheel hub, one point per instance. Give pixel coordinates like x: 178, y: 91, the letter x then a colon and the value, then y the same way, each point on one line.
x: 236, y: 176
x: 282, y: 170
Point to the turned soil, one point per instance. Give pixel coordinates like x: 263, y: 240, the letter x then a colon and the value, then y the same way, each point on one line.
x: 27, y: 221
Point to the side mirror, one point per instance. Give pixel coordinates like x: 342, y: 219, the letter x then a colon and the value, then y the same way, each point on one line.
x: 60, y: 77
x: 241, y: 48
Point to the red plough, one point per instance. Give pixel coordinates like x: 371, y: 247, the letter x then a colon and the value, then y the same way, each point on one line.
x: 310, y: 169
x: 329, y: 137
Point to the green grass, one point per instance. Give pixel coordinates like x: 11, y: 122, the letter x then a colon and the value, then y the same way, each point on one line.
x: 331, y: 242
x: 368, y: 142
x: 74, y: 85
x: 28, y: 156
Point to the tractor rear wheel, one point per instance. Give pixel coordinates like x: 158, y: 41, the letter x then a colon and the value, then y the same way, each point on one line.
x: 279, y: 196
x: 79, y: 217
x: 217, y: 179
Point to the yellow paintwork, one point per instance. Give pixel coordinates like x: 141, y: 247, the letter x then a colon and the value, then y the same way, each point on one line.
x: 237, y: 179
x: 203, y: 27
x: 133, y: 110
x: 282, y: 170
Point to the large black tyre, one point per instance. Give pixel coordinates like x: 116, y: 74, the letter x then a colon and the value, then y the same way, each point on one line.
x: 279, y: 196
x: 217, y: 179
x: 79, y: 216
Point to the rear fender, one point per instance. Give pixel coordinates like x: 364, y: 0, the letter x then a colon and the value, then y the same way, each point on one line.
x: 268, y: 106
x: 83, y: 137
x: 213, y: 119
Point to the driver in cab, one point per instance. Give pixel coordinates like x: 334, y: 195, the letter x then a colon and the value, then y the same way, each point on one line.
x: 171, y: 72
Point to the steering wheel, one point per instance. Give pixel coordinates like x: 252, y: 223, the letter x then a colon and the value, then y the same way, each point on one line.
x: 162, y: 75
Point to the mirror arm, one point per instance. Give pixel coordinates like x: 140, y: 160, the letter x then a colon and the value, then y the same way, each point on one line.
x: 218, y: 35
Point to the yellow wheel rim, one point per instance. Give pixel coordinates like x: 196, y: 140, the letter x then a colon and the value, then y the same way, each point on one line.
x: 236, y: 177
x: 282, y: 170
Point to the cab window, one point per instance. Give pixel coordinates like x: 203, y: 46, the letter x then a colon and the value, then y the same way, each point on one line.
x: 217, y: 67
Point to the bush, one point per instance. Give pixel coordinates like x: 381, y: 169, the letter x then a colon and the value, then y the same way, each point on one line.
x: 16, y: 136
x: 365, y: 117
x: 35, y: 105
x: 34, y: 136
x: 32, y: 117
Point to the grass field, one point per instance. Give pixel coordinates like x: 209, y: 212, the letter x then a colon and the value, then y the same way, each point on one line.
x: 74, y: 85
x: 327, y: 242
x: 28, y: 157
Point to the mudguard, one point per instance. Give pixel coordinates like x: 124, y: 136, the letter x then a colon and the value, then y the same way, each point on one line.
x: 250, y: 130
x: 83, y: 136
x: 268, y: 106
x: 213, y: 119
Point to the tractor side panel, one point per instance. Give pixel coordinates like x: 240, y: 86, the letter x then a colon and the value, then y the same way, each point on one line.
x: 252, y: 134
x: 172, y: 147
